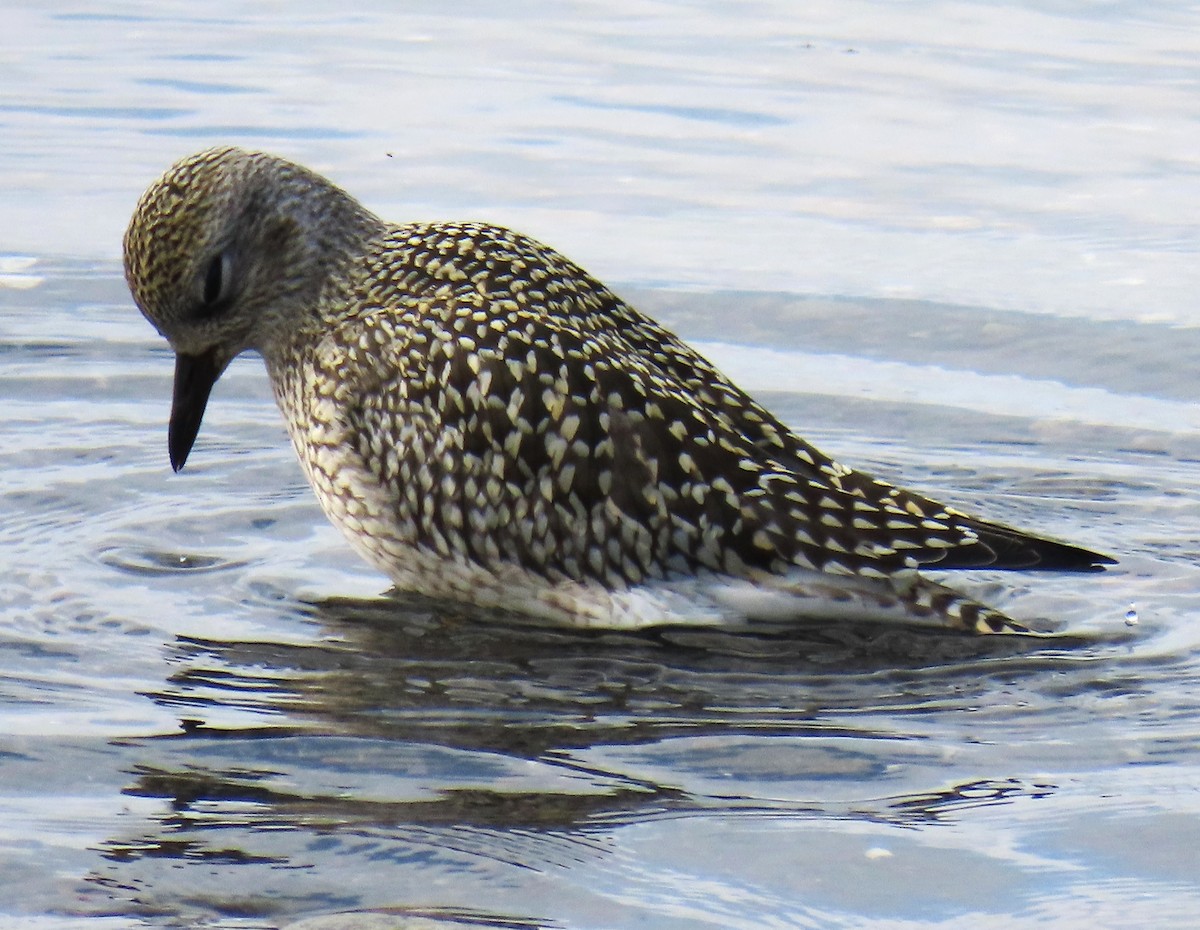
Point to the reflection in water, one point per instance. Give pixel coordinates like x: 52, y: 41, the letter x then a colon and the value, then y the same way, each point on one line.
x: 411, y: 733
x: 392, y: 668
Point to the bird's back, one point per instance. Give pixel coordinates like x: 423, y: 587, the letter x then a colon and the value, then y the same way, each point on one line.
x: 511, y: 409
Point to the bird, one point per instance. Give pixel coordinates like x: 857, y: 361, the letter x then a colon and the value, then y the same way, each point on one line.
x: 489, y: 424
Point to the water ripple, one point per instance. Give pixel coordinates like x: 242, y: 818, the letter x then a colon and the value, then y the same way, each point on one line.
x: 151, y: 562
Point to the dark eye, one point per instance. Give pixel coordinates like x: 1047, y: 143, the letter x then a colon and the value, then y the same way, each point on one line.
x: 215, y: 294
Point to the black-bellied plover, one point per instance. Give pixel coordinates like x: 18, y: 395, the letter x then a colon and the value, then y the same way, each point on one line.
x: 488, y: 423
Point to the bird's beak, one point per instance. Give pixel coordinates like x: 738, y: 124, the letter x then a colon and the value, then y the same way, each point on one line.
x: 195, y: 376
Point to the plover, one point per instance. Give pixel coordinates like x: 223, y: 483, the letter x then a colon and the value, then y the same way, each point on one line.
x: 488, y: 423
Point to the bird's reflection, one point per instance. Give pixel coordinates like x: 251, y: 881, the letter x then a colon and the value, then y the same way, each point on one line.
x: 410, y: 733
x: 407, y: 668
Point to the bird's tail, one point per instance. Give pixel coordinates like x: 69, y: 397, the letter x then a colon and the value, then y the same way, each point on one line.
x: 931, y: 602
x: 906, y: 598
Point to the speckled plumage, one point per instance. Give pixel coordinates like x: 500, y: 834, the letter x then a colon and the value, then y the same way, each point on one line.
x: 488, y: 423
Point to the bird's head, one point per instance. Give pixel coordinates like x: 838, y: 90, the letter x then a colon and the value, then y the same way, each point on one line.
x: 228, y: 251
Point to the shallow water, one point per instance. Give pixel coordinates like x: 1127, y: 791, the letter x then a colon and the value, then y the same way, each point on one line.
x: 952, y: 244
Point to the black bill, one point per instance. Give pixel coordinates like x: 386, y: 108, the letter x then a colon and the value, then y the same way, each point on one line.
x: 195, y: 376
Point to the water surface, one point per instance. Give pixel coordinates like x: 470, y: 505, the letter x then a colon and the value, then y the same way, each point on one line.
x: 953, y: 244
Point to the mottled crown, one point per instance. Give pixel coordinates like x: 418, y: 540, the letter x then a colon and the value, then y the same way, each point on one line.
x: 226, y: 235
x: 176, y: 226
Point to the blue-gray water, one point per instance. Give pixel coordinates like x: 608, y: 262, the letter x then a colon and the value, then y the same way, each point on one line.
x: 954, y: 244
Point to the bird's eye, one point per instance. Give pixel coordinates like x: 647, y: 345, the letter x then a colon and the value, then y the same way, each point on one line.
x: 216, y: 285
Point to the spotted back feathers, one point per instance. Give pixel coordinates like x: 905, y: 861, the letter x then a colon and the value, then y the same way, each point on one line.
x: 518, y: 410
